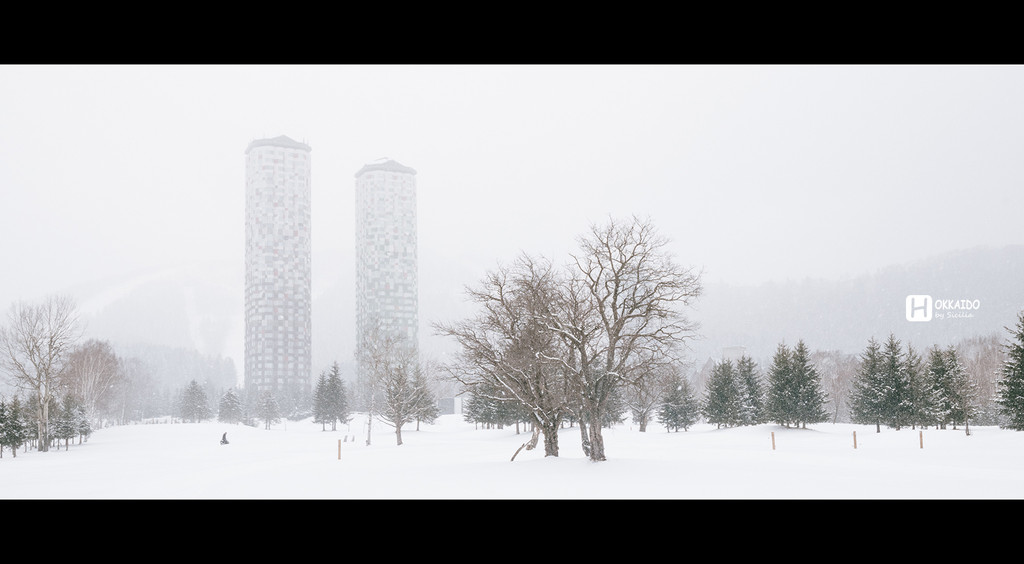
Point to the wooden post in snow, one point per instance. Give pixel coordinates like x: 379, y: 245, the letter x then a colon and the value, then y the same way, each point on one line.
x: 921, y: 438
x: 855, y: 440
x: 339, y: 449
x: 773, y: 440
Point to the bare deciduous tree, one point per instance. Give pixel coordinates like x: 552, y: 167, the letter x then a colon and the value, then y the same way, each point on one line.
x: 34, y: 349
x: 621, y: 312
x: 377, y: 355
x: 644, y: 394
x: 93, y: 373
x: 507, y: 347
x: 582, y: 335
x: 402, y: 387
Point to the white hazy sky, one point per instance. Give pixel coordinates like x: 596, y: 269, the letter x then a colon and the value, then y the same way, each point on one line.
x: 755, y: 172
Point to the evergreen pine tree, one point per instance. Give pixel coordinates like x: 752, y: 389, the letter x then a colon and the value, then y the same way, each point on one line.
x: 868, y: 398
x: 65, y: 424
x: 670, y: 402
x: 752, y: 405
x: 4, y: 416
x: 895, y: 384
x: 919, y: 390
x: 267, y: 409
x: 82, y: 422
x: 321, y: 408
x: 229, y: 409
x: 941, y: 387
x: 1010, y: 386
x: 780, y: 405
x: 615, y: 409
x: 475, y: 408
x: 810, y: 397
x: 679, y: 406
x: 964, y: 394
x: 336, y: 398
x: 16, y: 427
x: 722, y: 397
x: 195, y: 406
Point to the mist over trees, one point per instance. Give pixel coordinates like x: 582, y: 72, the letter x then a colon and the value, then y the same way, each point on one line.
x: 583, y: 342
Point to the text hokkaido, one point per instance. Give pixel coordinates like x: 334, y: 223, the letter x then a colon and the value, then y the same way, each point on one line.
x: 957, y: 304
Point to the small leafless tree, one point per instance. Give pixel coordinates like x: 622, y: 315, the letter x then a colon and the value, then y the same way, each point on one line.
x: 34, y: 349
x: 379, y: 354
x: 838, y: 371
x: 403, y: 387
x: 645, y: 393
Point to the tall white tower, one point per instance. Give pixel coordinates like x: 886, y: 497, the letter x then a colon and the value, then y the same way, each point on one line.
x: 278, y: 290
x: 386, y: 279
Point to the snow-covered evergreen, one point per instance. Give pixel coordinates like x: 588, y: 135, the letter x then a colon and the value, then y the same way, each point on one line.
x: 780, y: 402
x: 963, y: 391
x: 229, y: 409
x: 752, y: 404
x: 895, y: 383
x: 1010, y: 387
x: 868, y: 403
x: 920, y: 390
x: 267, y: 409
x: 722, y: 399
x: 330, y: 399
x: 809, y: 406
x: 679, y: 408
x: 14, y: 427
x: 194, y: 405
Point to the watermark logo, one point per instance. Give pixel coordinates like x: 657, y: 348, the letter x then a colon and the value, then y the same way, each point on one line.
x: 919, y: 307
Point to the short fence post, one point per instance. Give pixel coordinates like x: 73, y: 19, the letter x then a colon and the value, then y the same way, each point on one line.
x: 339, y: 449
x: 773, y: 440
x: 921, y: 438
x: 855, y: 440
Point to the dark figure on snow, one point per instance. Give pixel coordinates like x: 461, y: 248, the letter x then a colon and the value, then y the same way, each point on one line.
x: 224, y: 439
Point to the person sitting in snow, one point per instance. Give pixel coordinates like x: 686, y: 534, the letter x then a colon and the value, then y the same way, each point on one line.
x: 224, y: 439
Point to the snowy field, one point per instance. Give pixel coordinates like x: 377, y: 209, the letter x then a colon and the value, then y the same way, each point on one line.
x: 453, y: 460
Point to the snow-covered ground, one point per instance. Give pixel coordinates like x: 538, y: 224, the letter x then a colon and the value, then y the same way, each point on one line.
x: 453, y: 460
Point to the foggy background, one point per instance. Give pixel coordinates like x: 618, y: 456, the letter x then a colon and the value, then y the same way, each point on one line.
x: 814, y: 198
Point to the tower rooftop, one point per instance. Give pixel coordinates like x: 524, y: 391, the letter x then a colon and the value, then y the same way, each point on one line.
x: 279, y: 141
x: 388, y: 165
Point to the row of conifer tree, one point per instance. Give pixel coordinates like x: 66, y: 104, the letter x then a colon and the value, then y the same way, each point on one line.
x: 895, y: 386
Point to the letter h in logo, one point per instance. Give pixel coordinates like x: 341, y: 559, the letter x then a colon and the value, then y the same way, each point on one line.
x: 919, y: 308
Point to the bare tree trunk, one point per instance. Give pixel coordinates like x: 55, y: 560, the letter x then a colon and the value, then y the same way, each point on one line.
x: 596, y: 440
x: 398, y: 434
x: 43, y: 414
x: 584, y: 437
x: 551, y: 440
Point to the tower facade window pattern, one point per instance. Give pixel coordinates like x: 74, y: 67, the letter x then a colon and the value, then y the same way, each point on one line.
x: 278, y: 282
x: 386, y: 256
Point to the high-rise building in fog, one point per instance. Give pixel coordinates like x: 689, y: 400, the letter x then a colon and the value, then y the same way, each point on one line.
x: 386, y: 279
x: 278, y: 290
